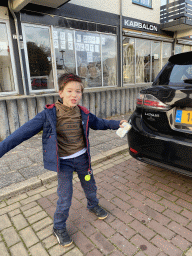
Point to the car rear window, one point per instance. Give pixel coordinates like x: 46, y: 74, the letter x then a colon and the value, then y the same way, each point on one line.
x: 174, y: 74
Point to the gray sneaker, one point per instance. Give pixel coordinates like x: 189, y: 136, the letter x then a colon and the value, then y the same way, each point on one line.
x: 99, y: 212
x: 62, y: 237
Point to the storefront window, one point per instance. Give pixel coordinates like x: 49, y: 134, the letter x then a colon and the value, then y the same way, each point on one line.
x: 92, y: 56
x: 39, y: 57
x: 128, y: 60
x: 143, y: 61
x: 63, y: 41
x: 178, y: 48
x: 156, y: 54
x: 186, y: 48
x: 166, y: 52
x: 88, y: 54
x: 6, y: 72
x: 109, y: 60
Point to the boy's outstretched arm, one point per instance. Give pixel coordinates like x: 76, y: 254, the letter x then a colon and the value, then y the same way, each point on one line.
x: 23, y: 133
x: 97, y: 123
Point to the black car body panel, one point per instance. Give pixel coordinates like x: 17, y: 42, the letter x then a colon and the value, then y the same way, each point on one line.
x: 170, y: 150
x: 163, y: 136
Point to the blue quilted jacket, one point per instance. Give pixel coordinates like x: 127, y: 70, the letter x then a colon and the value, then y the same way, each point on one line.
x: 46, y: 121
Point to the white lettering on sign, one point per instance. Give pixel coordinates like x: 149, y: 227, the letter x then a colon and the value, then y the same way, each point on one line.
x: 136, y: 24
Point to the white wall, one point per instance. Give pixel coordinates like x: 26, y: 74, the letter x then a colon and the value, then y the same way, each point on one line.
x: 135, y: 11
x: 4, y: 13
x: 128, y: 8
x: 184, y: 33
x: 112, y: 6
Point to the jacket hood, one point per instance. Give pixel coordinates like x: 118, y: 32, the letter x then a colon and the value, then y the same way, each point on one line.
x: 84, y: 109
x: 50, y: 106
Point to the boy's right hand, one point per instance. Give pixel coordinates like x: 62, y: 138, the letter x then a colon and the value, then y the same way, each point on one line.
x: 121, y: 122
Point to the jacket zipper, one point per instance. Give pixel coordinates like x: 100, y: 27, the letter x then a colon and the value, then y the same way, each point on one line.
x: 57, y: 156
x: 89, y: 170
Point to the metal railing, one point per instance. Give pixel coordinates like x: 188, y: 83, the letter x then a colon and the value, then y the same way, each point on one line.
x: 176, y: 10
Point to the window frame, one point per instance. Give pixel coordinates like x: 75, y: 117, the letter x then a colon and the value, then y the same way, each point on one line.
x: 141, y: 4
x: 55, y: 87
x: 13, y: 64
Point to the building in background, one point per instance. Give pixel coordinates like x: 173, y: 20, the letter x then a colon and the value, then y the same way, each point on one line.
x: 116, y: 47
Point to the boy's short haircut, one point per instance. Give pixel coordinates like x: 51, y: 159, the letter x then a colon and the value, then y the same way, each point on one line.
x: 68, y: 77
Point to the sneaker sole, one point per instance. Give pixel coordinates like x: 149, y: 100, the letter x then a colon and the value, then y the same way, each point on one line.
x: 66, y: 245
x: 102, y: 218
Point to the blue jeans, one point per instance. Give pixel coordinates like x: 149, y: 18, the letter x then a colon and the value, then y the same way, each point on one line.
x: 65, y: 187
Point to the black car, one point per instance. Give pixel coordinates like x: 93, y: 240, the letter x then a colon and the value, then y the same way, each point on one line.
x: 161, y: 125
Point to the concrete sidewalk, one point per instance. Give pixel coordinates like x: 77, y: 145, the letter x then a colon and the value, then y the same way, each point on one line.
x: 150, y: 213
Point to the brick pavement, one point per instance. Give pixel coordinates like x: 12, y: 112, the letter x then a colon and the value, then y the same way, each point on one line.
x: 150, y: 213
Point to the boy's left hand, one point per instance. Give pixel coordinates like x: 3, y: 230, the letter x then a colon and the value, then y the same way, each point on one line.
x: 122, y: 121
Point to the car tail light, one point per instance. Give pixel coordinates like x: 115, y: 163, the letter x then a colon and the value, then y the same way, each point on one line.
x: 133, y: 150
x: 150, y: 101
x: 140, y: 100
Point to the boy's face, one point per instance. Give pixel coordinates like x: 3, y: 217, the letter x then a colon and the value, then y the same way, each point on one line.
x: 71, y: 94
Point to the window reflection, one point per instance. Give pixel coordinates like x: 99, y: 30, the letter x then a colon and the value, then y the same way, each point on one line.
x: 39, y: 57
x: 109, y: 58
x: 6, y: 73
x: 88, y: 54
x: 156, y: 66
x: 129, y: 60
x: 186, y: 48
x: 75, y: 52
x: 163, y: 2
x: 63, y: 40
x: 143, y: 60
x: 166, y: 52
x: 178, y: 49
x: 143, y: 2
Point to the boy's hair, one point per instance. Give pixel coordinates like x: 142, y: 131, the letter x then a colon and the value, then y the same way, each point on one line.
x: 68, y: 77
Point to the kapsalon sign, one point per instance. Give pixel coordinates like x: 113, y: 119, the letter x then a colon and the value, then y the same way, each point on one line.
x: 140, y: 25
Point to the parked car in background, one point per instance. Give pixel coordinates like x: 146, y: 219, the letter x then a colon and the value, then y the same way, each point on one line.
x: 39, y: 83
x: 161, y: 132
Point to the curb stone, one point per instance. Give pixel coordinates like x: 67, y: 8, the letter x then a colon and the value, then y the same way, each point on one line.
x: 50, y: 176
x: 189, y: 252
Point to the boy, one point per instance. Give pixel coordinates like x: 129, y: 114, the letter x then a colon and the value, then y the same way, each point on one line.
x: 66, y: 148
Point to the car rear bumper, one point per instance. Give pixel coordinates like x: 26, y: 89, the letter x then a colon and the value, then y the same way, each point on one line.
x: 165, y: 166
x: 159, y: 151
